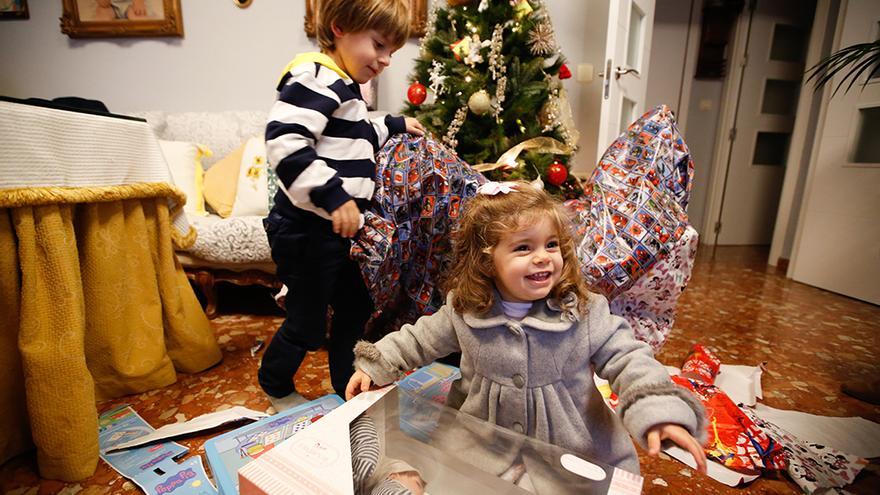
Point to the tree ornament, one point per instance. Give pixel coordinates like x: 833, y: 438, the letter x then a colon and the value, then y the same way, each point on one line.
x: 438, y: 80
x: 479, y: 102
x: 417, y: 93
x: 548, y: 116
x: 454, y: 126
x: 542, y: 40
x: 521, y: 8
x: 564, y: 72
x: 557, y: 173
x: 461, y: 48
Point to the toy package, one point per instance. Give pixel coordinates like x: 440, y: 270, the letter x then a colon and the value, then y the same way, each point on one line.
x: 361, y: 447
x: 234, y: 449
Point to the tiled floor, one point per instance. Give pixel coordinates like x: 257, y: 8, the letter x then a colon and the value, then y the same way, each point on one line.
x: 810, y: 340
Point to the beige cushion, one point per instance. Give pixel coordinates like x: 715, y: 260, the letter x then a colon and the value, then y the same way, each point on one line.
x: 221, y: 182
x: 185, y: 163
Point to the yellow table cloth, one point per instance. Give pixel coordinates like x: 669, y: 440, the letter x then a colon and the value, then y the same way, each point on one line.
x: 93, y: 302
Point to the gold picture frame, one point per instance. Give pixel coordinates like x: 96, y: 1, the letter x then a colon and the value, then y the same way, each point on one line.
x: 418, y: 12
x: 121, y: 19
x: 15, y: 9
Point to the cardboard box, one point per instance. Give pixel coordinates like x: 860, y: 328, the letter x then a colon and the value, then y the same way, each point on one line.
x: 455, y: 453
x: 230, y: 451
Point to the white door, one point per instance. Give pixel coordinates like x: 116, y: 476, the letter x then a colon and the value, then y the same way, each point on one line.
x: 837, y: 243
x: 771, y: 79
x: 624, y: 71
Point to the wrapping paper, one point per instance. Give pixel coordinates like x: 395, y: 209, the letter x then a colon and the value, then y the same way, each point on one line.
x: 701, y: 364
x: 406, y: 243
x: 637, y: 247
x: 811, y: 465
x: 634, y: 209
x: 649, y: 305
x: 734, y: 439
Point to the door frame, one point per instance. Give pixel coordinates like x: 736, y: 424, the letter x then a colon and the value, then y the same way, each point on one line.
x: 806, y: 134
x: 726, y: 120
x: 803, y: 135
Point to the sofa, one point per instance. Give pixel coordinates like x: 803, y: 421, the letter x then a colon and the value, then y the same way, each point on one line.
x: 218, y: 160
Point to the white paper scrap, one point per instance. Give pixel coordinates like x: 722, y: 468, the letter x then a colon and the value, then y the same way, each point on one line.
x: 853, y: 435
x: 714, y: 470
x: 203, y: 422
x: 741, y: 383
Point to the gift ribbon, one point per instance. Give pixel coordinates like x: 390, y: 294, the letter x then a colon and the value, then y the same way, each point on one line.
x: 540, y: 144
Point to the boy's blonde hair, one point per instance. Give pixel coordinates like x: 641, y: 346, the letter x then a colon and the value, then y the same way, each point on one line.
x: 486, y: 219
x: 389, y: 17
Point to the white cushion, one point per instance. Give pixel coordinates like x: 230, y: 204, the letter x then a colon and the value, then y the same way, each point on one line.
x: 252, y: 193
x: 185, y: 163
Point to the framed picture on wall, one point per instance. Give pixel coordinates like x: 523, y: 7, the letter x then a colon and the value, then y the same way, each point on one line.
x: 121, y: 18
x: 13, y: 9
x: 418, y: 16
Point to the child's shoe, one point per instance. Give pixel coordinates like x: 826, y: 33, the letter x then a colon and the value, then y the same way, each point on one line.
x: 289, y: 401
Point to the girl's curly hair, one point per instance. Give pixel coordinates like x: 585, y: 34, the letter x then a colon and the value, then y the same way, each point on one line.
x: 488, y: 218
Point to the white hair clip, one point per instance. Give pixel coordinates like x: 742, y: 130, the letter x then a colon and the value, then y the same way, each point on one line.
x: 492, y: 188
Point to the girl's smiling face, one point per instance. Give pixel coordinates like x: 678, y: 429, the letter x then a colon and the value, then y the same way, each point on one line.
x: 528, y: 262
x: 362, y: 55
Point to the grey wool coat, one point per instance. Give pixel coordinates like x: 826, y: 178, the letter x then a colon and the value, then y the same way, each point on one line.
x: 534, y: 375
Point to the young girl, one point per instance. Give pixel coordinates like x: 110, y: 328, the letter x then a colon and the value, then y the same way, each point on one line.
x: 530, y: 334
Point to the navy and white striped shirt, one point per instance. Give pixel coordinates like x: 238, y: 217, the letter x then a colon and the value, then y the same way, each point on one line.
x: 319, y: 139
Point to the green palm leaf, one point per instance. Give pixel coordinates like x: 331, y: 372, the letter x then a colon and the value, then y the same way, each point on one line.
x: 852, y: 61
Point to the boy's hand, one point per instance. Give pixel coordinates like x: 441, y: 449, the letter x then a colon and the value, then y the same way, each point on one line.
x: 346, y: 219
x: 359, y: 382
x: 680, y: 437
x: 413, y: 126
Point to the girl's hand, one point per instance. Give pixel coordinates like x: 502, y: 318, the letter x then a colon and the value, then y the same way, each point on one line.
x: 413, y: 126
x: 680, y: 437
x: 360, y: 382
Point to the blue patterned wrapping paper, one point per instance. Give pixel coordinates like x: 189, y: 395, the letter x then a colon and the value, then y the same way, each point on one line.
x: 405, y: 245
x: 634, y: 208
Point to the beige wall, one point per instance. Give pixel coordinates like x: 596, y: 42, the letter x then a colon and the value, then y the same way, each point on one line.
x: 229, y: 58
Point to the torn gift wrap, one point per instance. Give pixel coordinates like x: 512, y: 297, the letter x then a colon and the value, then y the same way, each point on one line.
x: 153, y: 468
x: 813, y: 466
x: 734, y: 439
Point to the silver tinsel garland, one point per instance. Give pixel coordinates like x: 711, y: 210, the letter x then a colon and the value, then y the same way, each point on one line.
x: 455, y: 125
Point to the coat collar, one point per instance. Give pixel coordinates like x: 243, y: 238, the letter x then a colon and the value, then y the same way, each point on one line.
x: 539, y: 317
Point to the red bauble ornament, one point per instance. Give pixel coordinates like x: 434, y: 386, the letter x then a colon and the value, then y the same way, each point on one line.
x: 557, y: 173
x: 417, y: 93
x: 564, y: 72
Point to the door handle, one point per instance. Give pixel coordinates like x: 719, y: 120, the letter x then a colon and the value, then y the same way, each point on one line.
x: 624, y: 70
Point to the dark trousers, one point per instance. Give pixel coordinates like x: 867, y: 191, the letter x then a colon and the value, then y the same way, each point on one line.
x: 314, y: 263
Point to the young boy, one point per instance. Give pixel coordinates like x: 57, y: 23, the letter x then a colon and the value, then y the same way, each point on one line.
x: 322, y: 145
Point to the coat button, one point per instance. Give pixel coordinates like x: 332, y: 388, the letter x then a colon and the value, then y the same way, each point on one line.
x: 518, y: 427
x: 518, y: 380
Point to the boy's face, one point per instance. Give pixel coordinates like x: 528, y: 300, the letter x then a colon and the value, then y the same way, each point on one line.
x: 362, y: 55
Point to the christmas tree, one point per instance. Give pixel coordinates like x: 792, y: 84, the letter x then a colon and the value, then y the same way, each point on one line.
x: 488, y: 79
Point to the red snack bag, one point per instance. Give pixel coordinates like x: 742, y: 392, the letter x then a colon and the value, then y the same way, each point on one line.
x: 701, y: 364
